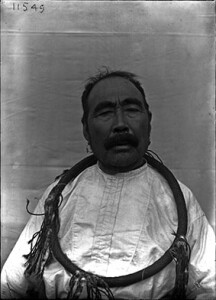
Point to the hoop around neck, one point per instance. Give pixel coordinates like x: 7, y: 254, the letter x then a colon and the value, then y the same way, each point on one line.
x: 147, y: 272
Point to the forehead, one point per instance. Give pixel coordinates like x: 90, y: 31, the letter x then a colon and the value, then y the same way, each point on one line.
x: 113, y: 89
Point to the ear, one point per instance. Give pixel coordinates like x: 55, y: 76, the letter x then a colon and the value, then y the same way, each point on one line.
x: 85, y: 132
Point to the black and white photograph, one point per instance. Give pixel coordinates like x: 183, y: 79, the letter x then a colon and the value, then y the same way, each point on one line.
x: 107, y: 149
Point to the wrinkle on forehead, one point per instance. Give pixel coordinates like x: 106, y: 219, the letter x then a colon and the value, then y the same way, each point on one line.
x: 115, y: 89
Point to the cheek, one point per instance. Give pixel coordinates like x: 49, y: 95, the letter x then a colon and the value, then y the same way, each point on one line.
x: 139, y: 127
x: 97, y: 136
x: 101, y: 129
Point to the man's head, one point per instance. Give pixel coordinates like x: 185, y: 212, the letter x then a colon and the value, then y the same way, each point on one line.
x: 116, y: 120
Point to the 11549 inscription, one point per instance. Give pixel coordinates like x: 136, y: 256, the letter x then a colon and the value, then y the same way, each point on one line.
x: 29, y: 6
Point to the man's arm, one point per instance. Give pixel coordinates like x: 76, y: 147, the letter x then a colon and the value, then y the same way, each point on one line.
x: 13, y: 281
x: 202, y: 262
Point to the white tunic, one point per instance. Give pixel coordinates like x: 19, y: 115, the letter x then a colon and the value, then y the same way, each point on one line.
x: 115, y: 225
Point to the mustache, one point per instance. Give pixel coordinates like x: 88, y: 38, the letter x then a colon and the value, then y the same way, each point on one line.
x: 120, y: 139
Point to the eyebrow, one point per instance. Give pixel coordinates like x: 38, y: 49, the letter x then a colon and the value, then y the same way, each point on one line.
x: 110, y: 104
x: 128, y: 101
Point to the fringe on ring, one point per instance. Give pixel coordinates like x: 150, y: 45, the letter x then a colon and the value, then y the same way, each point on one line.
x: 40, y: 254
x: 181, y: 254
x: 91, y: 282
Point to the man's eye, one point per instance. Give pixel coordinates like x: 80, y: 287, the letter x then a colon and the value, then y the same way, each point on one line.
x: 132, y: 110
x: 105, y: 114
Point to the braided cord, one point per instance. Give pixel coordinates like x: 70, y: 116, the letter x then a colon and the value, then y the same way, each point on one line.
x: 48, y: 245
x: 157, y: 265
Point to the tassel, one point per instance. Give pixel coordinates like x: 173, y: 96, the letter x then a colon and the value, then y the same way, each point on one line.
x: 95, y: 286
x: 76, y: 285
x: 181, y: 254
x: 40, y: 254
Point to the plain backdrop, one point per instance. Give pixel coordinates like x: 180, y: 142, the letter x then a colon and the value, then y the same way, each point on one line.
x: 46, y: 58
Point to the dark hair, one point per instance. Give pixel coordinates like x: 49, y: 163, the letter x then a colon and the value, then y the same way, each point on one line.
x: 92, y: 81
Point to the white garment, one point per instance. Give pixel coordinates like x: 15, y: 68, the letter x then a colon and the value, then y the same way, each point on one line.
x: 115, y: 225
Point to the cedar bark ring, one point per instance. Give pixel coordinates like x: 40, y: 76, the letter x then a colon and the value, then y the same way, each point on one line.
x: 147, y: 272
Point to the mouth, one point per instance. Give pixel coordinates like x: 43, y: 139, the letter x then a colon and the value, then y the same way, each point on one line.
x: 121, y: 142
x: 122, y: 148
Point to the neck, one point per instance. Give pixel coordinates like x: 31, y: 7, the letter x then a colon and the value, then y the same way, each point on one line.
x: 112, y: 170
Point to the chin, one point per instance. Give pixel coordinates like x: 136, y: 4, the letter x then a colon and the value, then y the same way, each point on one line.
x: 120, y: 160
x: 124, y: 161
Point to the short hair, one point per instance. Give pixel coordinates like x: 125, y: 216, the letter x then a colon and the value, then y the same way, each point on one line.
x: 103, y: 74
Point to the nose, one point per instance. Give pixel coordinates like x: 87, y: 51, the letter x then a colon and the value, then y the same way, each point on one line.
x: 119, y: 122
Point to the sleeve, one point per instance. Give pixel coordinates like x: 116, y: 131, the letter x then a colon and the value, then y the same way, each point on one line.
x: 201, y: 238
x: 13, y: 282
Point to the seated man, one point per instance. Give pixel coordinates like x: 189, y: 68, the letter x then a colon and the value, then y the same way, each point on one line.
x: 118, y: 226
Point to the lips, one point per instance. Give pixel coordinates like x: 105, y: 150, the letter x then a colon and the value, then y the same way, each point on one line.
x: 121, y: 140
x: 120, y: 143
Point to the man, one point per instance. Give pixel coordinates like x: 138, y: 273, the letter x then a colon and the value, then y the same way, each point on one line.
x: 115, y: 217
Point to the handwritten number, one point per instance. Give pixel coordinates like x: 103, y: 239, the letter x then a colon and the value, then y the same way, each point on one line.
x: 24, y: 6
x: 34, y: 7
x: 41, y: 8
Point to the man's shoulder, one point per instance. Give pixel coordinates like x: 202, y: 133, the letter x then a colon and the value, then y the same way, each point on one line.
x: 159, y: 178
x: 160, y: 183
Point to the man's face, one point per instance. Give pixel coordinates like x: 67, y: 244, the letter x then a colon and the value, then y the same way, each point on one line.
x: 117, y: 125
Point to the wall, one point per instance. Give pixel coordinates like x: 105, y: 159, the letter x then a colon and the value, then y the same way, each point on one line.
x: 46, y: 58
